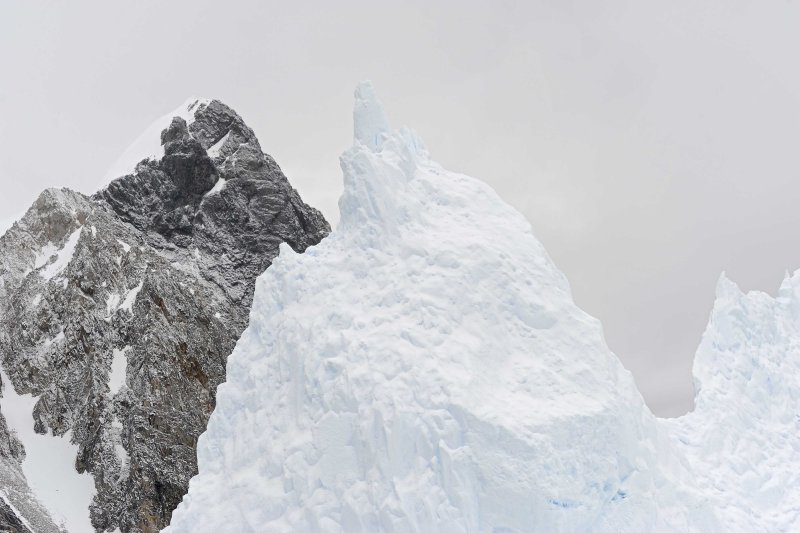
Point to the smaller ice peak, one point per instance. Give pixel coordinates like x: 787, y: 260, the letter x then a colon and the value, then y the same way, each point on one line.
x: 370, y: 125
x: 727, y: 288
x: 731, y: 299
x: 736, y: 313
x: 790, y: 288
x: 785, y: 303
x: 747, y: 379
x: 749, y: 339
x: 378, y: 170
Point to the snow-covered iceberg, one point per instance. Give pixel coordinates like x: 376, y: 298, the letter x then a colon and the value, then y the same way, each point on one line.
x: 743, y: 438
x: 424, y: 369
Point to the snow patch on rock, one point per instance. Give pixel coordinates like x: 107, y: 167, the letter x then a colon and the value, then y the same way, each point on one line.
x: 119, y: 368
x: 130, y: 298
x: 125, y: 246
x: 218, y: 186
x: 63, y: 256
x: 214, y: 150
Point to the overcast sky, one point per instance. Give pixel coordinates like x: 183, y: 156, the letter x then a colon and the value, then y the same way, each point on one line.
x: 652, y: 145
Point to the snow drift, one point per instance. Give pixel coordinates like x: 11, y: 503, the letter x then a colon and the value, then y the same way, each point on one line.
x: 424, y: 368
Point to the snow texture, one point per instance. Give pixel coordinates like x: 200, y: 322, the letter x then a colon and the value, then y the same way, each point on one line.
x: 425, y: 369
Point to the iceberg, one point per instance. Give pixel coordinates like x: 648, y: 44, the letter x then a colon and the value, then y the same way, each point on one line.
x: 425, y: 369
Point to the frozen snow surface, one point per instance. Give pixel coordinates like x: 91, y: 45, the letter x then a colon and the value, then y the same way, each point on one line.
x: 424, y: 369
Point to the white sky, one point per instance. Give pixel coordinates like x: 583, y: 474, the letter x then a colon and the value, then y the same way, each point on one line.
x: 651, y: 144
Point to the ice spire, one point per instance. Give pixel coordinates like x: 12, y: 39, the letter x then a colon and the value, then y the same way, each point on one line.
x: 369, y: 119
x: 726, y: 287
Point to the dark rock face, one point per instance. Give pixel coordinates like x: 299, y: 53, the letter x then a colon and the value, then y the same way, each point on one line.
x: 156, y: 271
x: 216, y: 192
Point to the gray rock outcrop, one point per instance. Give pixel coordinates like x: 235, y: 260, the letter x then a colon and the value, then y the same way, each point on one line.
x: 154, y: 275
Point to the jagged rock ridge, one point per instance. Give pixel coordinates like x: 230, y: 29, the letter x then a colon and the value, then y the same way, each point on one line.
x: 154, y: 275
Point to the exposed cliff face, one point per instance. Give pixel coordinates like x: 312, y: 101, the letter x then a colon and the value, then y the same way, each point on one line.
x: 118, y: 311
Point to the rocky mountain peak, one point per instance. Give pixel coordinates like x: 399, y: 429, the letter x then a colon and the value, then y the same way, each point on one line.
x: 118, y: 311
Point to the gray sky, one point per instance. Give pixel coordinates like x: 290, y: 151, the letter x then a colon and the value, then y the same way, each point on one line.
x: 651, y: 144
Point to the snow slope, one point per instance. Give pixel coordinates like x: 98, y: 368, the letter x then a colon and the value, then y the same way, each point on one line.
x: 424, y: 368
